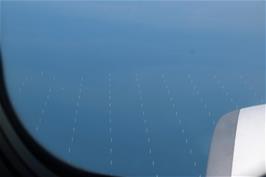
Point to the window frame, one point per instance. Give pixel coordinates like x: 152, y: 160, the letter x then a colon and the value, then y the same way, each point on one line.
x: 9, y: 118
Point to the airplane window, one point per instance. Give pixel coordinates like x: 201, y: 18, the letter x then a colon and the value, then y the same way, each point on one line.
x: 132, y: 88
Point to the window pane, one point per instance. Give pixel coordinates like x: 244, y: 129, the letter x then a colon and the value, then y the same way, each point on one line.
x: 132, y: 88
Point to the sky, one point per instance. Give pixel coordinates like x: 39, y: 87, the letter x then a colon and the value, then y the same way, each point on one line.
x: 184, y: 64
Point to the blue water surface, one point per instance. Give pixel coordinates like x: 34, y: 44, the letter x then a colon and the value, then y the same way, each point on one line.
x: 132, y: 88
